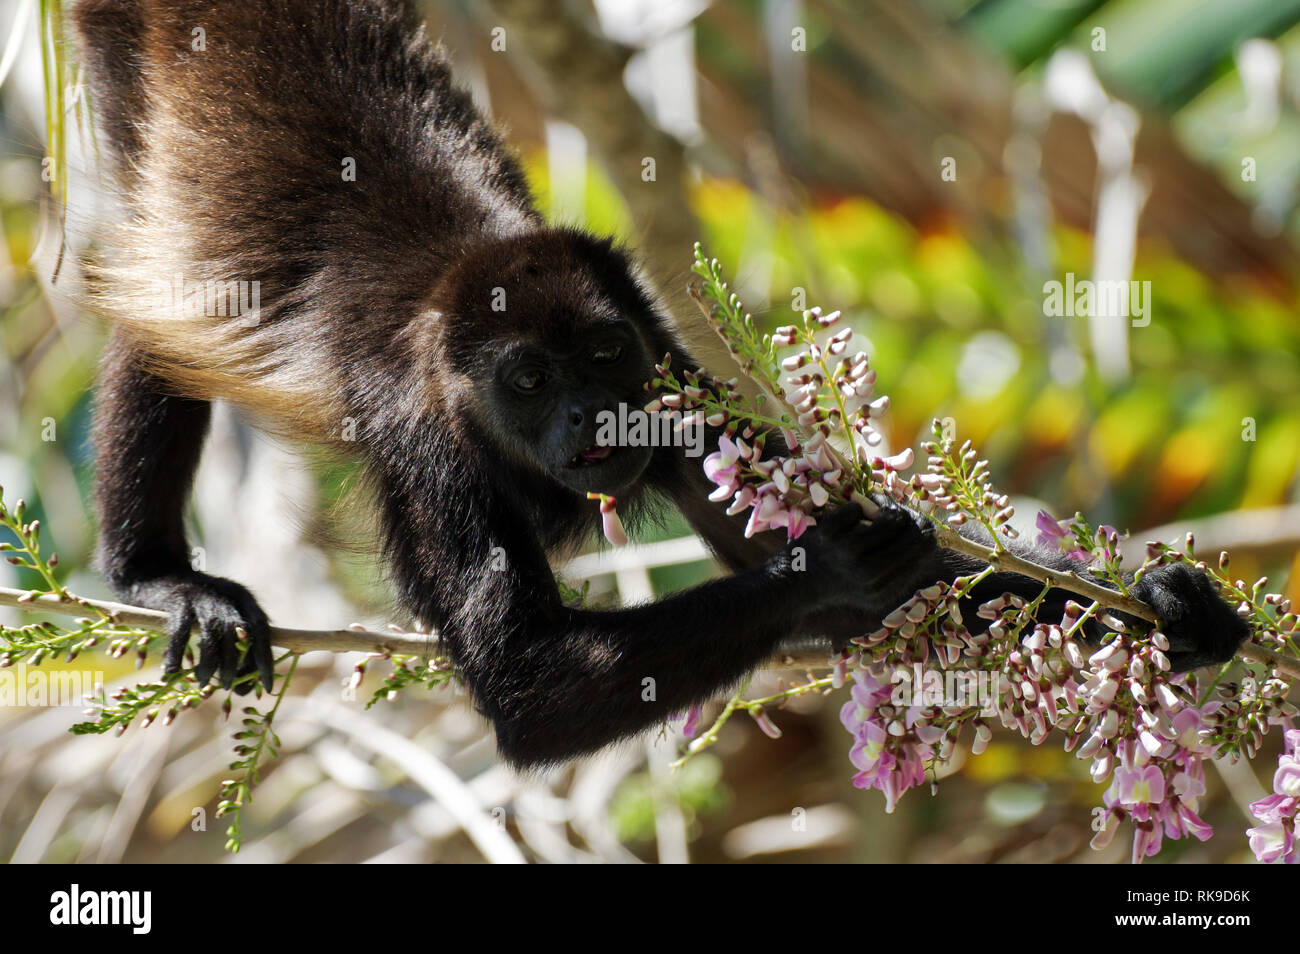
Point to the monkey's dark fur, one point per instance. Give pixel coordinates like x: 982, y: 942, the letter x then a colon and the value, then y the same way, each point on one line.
x: 376, y: 315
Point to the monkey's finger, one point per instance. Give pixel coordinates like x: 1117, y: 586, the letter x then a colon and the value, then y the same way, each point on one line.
x: 259, y: 637
x: 841, y: 518
x: 228, y: 646
x: 207, y: 654
x: 178, y: 638
x: 871, y: 504
x: 263, y: 656
x: 244, y: 650
x: 257, y: 659
x: 216, y: 652
x: 243, y: 685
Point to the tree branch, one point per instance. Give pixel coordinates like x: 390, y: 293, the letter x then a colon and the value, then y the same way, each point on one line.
x: 355, y: 639
x: 1004, y: 559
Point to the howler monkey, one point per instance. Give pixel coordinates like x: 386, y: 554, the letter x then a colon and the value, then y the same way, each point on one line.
x: 320, y: 228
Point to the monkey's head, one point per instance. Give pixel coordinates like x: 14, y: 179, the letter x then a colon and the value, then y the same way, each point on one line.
x: 554, y: 339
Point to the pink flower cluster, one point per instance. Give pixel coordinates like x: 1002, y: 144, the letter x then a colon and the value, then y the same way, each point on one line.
x: 1125, y: 712
x: 1161, y: 797
x: 786, y: 490
x: 946, y: 480
x: 891, y: 745
x: 779, y: 491
x: 894, y: 743
x: 1120, y: 707
x: 849, y: 389
x: 1145, y: 732
x: 1276, y: 838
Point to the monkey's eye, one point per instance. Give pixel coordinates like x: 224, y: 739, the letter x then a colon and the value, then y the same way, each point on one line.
x: 528, y: 381
x: 607, y: 355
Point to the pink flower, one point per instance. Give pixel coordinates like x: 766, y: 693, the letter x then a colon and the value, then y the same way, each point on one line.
x: 869, y: 691
x: 1107, y: 832
x: 900, y: 461
x: 1272, y: 841
x: 798, y: 523
x: 771, y: 512
x: 1188, y: 786
x: 1193, y: 824
x: 610, y: 524
x: 1274, y: 807
x: 1286, y: 780
x: 1146, y: 840
x: 744, y: 497
x: 1276, y: 837
x: 1049, y: 531
x: 878, y: 766
x: 1056, y: 535
x: 1140, y: 786
x: 870, y: 747
x: 612, y: 527
x: 819, y: 458
x: 721, y: 466
x: 1188, y: 725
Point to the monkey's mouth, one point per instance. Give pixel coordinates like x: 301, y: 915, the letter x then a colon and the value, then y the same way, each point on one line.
x: 591, y: 456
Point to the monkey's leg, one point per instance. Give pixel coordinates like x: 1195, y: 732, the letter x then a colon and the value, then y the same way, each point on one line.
x: 147, y: 446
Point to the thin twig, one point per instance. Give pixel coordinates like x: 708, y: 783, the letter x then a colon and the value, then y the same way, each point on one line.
x: 354, y: 639
x: 297, y: 640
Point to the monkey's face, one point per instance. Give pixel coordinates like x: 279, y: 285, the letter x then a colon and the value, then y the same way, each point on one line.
x: 566, y: 405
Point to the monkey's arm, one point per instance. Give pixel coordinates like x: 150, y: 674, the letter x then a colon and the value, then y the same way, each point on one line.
x: 147, y: 445
x: 559, y: 682
x: 1202, y: 629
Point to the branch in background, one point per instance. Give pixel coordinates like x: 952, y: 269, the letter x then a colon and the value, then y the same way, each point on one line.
x: 1267, y: 533
x: 580, y: 75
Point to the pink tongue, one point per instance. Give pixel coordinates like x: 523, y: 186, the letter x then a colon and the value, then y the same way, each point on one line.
x: 596, y: 453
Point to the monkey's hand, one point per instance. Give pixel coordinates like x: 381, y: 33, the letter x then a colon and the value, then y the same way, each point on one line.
x: 871, y: 565
x: 218, y: 607
x: 1202, y: 629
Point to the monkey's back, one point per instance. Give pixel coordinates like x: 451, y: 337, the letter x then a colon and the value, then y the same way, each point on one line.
x: 316, y: 148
